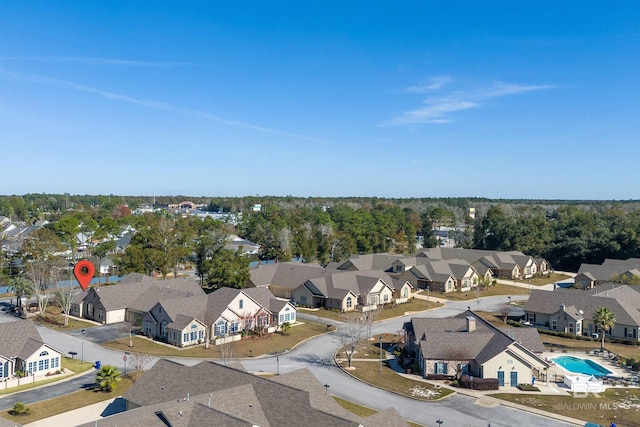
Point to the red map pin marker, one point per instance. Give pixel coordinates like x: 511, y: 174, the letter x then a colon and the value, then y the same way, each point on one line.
x: 84, y: 271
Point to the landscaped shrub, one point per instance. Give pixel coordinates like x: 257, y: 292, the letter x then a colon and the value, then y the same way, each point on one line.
x: 20, y: 409
x: 527, y: 387
x: 479, y: 383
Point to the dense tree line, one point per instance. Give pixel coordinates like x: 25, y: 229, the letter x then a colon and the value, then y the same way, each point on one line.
x: 566, y: 237
x: 324, y: 230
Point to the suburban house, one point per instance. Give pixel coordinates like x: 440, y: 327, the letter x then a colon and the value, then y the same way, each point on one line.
x: 22, y: 349
x: 208, y: 394
x: 572, y: 310
x: 619, y: 270
x: 226, y: 311
x: 442, y: 275
x: 282, y: 278
x: 379, y: 262
x: 137, y: 293
x: 508, y: 265
x: 348, y: 290
x: 467, y: 344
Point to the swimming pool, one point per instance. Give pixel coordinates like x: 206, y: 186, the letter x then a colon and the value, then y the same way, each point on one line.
x: 581, y: 366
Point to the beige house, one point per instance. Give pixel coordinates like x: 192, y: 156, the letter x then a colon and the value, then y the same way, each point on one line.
x: 572, y: 310
x: 442, y: 275
x: 466, y: 344
x: 347, y: 291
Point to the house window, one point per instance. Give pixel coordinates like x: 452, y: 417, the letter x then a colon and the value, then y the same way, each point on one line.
x: 32, y: 366
x: 554, y: 324
x: 55, y: 362
x: 220, y: 329
x: 293, y: 317
x: 571, y: 327
x: 185, y: 337
x: 405, y: 292
x: 201, y: 334
x: 263, y: 320
x: 194, y: 335
x: 46, y: 363
x: 147, y: 328
x: 40, y: 365
x: 241, y: 304
x: 234, y: 327
x: 248, y: 324
x: 349, y: 302
x: 440, y: 368
x: 163, y: 328
x: 386, y: 297
x: 282, y: 318
x: 1, y: 370
x: 90, y: 309
x: 44, y: 353
x: 303, y: 300
x: 100, y: 315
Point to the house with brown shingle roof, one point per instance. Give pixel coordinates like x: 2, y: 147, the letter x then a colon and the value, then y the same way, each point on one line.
x: 209, y: 394
x: 282, y: 278
x: 468, y: 344
x: 22, y: 349
x: 572, y: 310
x: 224, y: 313
x: 619, y: 270
x: 347, y: 290
x: 130, y: 298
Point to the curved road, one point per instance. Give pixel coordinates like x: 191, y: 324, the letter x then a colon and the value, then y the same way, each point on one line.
x: 317, y: 355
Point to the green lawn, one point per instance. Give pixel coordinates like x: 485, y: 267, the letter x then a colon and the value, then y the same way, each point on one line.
x: 58, y: 405
x: 388, y: 379
x: 622, y: 403
x: 75, y: 366
x: 498, y: 289
x: 363, y: 411
x: 55, y: 319
x: 248, y: 347
x: 386, y: 312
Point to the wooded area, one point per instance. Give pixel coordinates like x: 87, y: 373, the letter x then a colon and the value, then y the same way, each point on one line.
x: 323, y: 230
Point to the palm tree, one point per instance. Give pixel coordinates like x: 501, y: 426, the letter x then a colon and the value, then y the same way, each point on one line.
x: 107, y: 378
x: 21, y: 287
x: 604, y: 319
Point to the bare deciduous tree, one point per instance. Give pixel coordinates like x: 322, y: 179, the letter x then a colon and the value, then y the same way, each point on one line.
x: 64, y: 297
x: 351, y: 334
x: 505, y: 309
x: 369, y: 317
x: 139, y: 362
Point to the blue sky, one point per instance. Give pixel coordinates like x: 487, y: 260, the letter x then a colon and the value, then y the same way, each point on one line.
x: 346, y: 98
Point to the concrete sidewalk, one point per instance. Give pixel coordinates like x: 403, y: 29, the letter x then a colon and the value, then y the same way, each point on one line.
x: 83, y: 415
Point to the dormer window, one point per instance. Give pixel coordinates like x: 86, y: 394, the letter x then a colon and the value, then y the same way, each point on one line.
x: 241, y: 304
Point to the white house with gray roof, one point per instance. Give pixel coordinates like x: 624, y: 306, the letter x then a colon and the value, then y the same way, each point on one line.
x: 22, y: 349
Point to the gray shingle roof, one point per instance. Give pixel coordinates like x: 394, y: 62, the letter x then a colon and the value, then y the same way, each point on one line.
x: 623, y: 301
x: 449, y: 338
x: 286, y: 274
x: 19, y: 339
x: 234, y: 393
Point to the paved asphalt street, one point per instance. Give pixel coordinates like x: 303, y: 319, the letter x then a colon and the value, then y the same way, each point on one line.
x: 317, y: 355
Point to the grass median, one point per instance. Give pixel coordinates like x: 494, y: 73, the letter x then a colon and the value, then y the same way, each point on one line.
x: 59, y: 405
x: 386, y: 311
x: 247, y: 347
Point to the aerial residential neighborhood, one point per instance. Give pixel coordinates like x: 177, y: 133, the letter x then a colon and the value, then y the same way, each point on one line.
x: 303, y: 213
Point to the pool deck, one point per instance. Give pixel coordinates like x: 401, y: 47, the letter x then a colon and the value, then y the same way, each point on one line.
x: 614, y: 367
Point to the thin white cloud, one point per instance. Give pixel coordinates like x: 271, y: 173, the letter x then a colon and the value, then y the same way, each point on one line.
x: 432, y: 84
x: 439, y: 108
x: 96, y: 61
x: 156, y: 105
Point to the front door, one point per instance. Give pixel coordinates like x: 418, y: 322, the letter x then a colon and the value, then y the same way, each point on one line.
x: 501, y: 378
x: 514, y: 379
